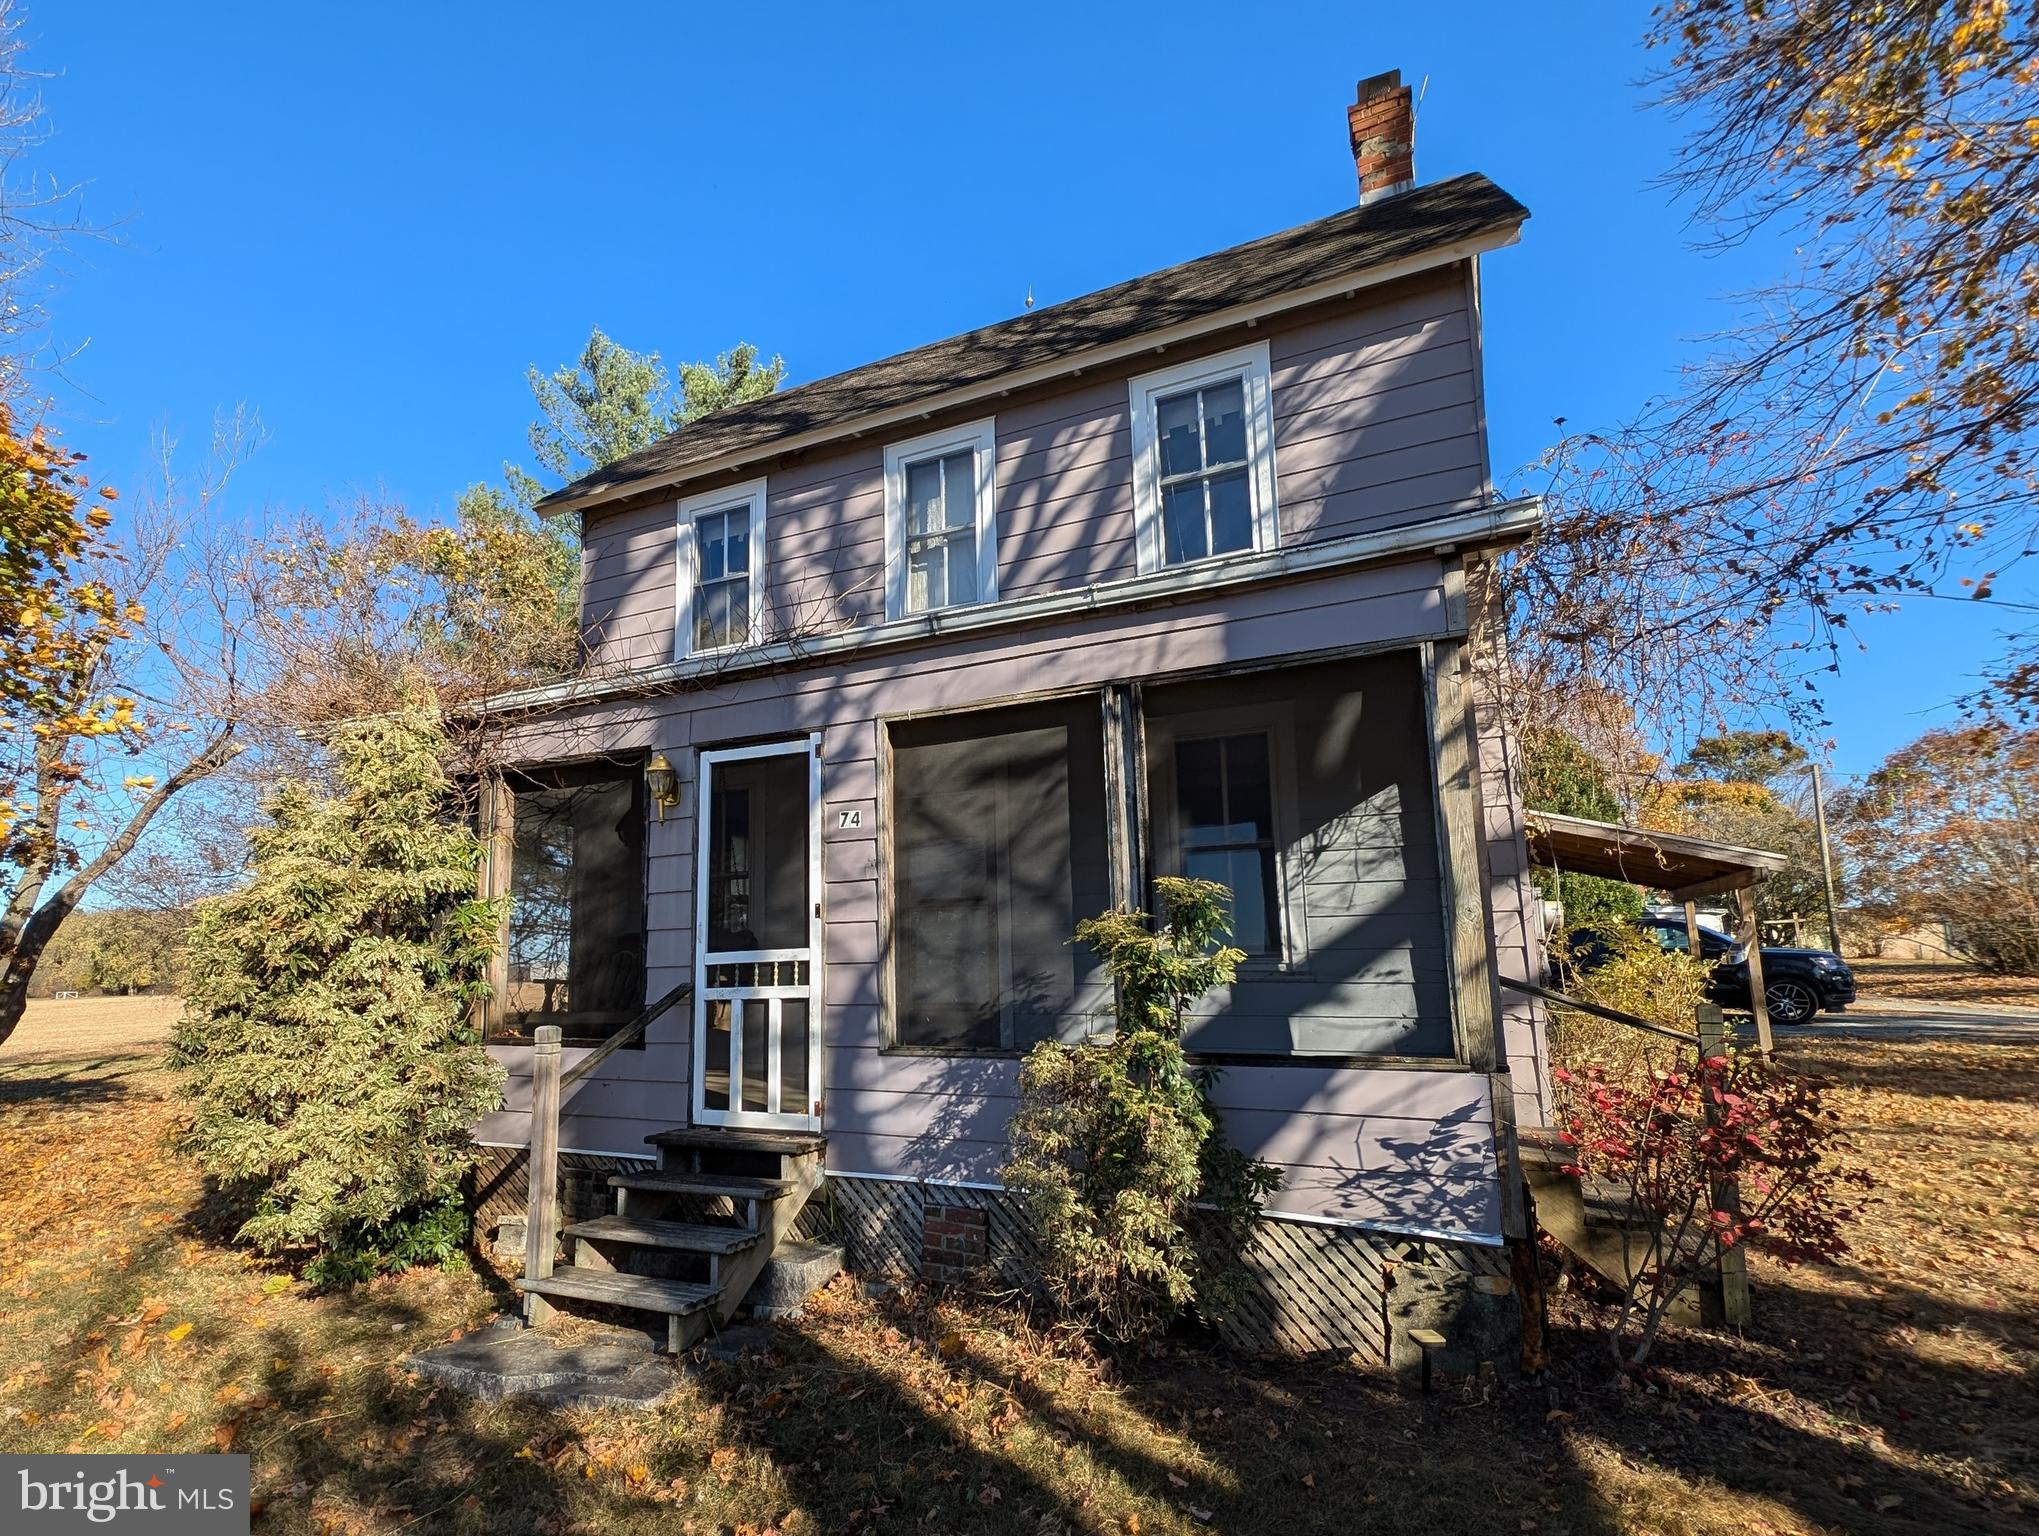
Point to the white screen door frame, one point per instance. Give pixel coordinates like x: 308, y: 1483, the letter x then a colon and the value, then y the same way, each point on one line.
x: 757, y: 985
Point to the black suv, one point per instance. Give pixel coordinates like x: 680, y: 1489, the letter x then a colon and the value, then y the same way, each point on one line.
x: 1797, y: 983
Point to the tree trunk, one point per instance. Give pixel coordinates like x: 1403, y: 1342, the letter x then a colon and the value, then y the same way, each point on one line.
x: 17, y: 967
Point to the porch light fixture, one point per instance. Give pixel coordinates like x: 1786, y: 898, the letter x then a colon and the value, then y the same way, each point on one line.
x: 662, y: 783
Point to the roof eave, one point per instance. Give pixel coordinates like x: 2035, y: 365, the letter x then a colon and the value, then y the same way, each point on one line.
x: 564, y: 501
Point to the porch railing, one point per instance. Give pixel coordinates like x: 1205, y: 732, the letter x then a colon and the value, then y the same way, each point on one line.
x: 1612, y: 1015
x: 541, y: 1210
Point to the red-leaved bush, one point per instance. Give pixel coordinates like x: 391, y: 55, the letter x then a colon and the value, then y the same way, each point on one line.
x: 1676, y: 1142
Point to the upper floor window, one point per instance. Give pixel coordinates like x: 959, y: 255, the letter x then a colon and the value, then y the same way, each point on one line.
x: 1203, y: 459
x: 721, y: 568
x: 941, y: 538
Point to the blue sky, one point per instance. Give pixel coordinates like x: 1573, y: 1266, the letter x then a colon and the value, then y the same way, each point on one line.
x: 367, y: 221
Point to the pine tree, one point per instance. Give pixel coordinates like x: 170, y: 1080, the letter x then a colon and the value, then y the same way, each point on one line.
x: 327, y: 1039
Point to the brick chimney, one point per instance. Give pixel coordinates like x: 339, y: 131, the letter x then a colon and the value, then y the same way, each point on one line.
x: 1383, y: 123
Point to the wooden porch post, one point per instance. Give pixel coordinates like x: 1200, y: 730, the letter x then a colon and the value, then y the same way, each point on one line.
x: 1752, y: 933
x: 1727, y: 1195
x: 498, y: 831
x: 1692, y: 929
x: 541, y: 1210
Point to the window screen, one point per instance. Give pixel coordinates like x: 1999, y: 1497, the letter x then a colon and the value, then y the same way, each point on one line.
x: 1307, y: 790
x: 999, y: 849
x: 576, y: 940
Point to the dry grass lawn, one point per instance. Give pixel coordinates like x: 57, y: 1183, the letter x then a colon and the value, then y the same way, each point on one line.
x: 80, y: 1027
x: 1897, y: 1393
x: 1942, y: 982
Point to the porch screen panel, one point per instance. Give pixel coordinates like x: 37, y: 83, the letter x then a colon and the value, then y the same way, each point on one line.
x: 576, y: 941
x: 1307, y: 790
x: 999, y: 849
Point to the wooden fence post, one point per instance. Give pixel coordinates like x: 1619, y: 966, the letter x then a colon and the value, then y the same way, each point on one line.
x: 1726, y: 1194
x: 541, y: 1210
x: 1752, y: 931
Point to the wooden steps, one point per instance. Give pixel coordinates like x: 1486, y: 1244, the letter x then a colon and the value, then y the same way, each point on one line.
x: 613, y: 1288
x: 687, y: 1238
x: 780, y: 1143
x: 732, y: 1186
x: 679, y: 1236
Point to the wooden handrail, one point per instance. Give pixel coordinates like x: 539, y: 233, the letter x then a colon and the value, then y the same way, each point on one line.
x: 541, y: 1202
x: 623, y: 1036
x: 1611, y: 1015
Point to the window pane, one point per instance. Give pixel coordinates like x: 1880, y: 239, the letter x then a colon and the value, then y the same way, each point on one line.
x: 1175, y: 422
x: 1000, y: 847
x: 714, y: 614
x: 576, y: 943
x: 1182, y: 522
x: 1231, y: 513
x: 1200, y: 791
x: 926, y: 578
x: 959, y: 489
x: 962, y: 559
x: 757, y: 853
x: 736, y: 533
x: 1249, y: 792
x: 1225, y: 423
x: 708, y: 545
x: 1248, y: 873
x: 924, y: 496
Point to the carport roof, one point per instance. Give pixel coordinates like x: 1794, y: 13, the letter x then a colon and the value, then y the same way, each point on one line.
x: 1687, y: 867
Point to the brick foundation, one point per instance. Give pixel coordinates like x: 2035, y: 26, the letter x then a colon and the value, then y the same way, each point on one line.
x: 955, y: 1243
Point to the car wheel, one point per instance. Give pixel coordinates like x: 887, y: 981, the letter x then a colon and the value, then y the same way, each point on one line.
x: 1790, y: 1002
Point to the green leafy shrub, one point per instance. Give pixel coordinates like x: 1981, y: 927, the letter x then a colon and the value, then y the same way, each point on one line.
x: 1116, y: 1141
x: 328, y: 1041
x: 433, y: 1234
x: 1634, y: 975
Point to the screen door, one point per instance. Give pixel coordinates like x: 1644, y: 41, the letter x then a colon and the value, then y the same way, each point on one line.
x: 757, y: 925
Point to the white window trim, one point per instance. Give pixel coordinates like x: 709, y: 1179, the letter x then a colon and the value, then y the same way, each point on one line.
x: 1249, y: 364
x: 750, y: 496
x: 981, y: 438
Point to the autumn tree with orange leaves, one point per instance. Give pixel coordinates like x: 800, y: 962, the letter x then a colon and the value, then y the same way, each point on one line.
x: 1947, y: 830
x: 1865, y: 429
x: 75, y: 794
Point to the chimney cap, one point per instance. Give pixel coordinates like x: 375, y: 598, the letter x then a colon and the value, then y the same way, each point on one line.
x: 1379, y: 85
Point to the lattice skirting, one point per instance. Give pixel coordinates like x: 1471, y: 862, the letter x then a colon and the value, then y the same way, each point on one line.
x: 499, y: 1186
x: 1307, y: 1289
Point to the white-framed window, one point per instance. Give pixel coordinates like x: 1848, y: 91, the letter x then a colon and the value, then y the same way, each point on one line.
x: 1203, y: 460
x: 721, y: 576
x: 941, y: 533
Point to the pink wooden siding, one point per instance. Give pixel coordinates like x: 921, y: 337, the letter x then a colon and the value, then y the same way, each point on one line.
x: 1408, y: 1148
x: 1376, y: 409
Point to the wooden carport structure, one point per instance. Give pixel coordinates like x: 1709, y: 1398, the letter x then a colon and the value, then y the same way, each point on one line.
x: 1686, y: 868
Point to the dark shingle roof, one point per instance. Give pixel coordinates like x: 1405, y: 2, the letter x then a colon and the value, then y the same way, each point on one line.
x: 1344, y: 244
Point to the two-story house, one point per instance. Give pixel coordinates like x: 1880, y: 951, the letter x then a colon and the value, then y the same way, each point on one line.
x: 895, y: 676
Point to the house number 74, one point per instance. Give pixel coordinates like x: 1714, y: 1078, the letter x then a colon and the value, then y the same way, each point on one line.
x: 844, y: 820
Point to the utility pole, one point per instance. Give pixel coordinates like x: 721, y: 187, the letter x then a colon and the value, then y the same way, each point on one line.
x: 1819, y: 816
